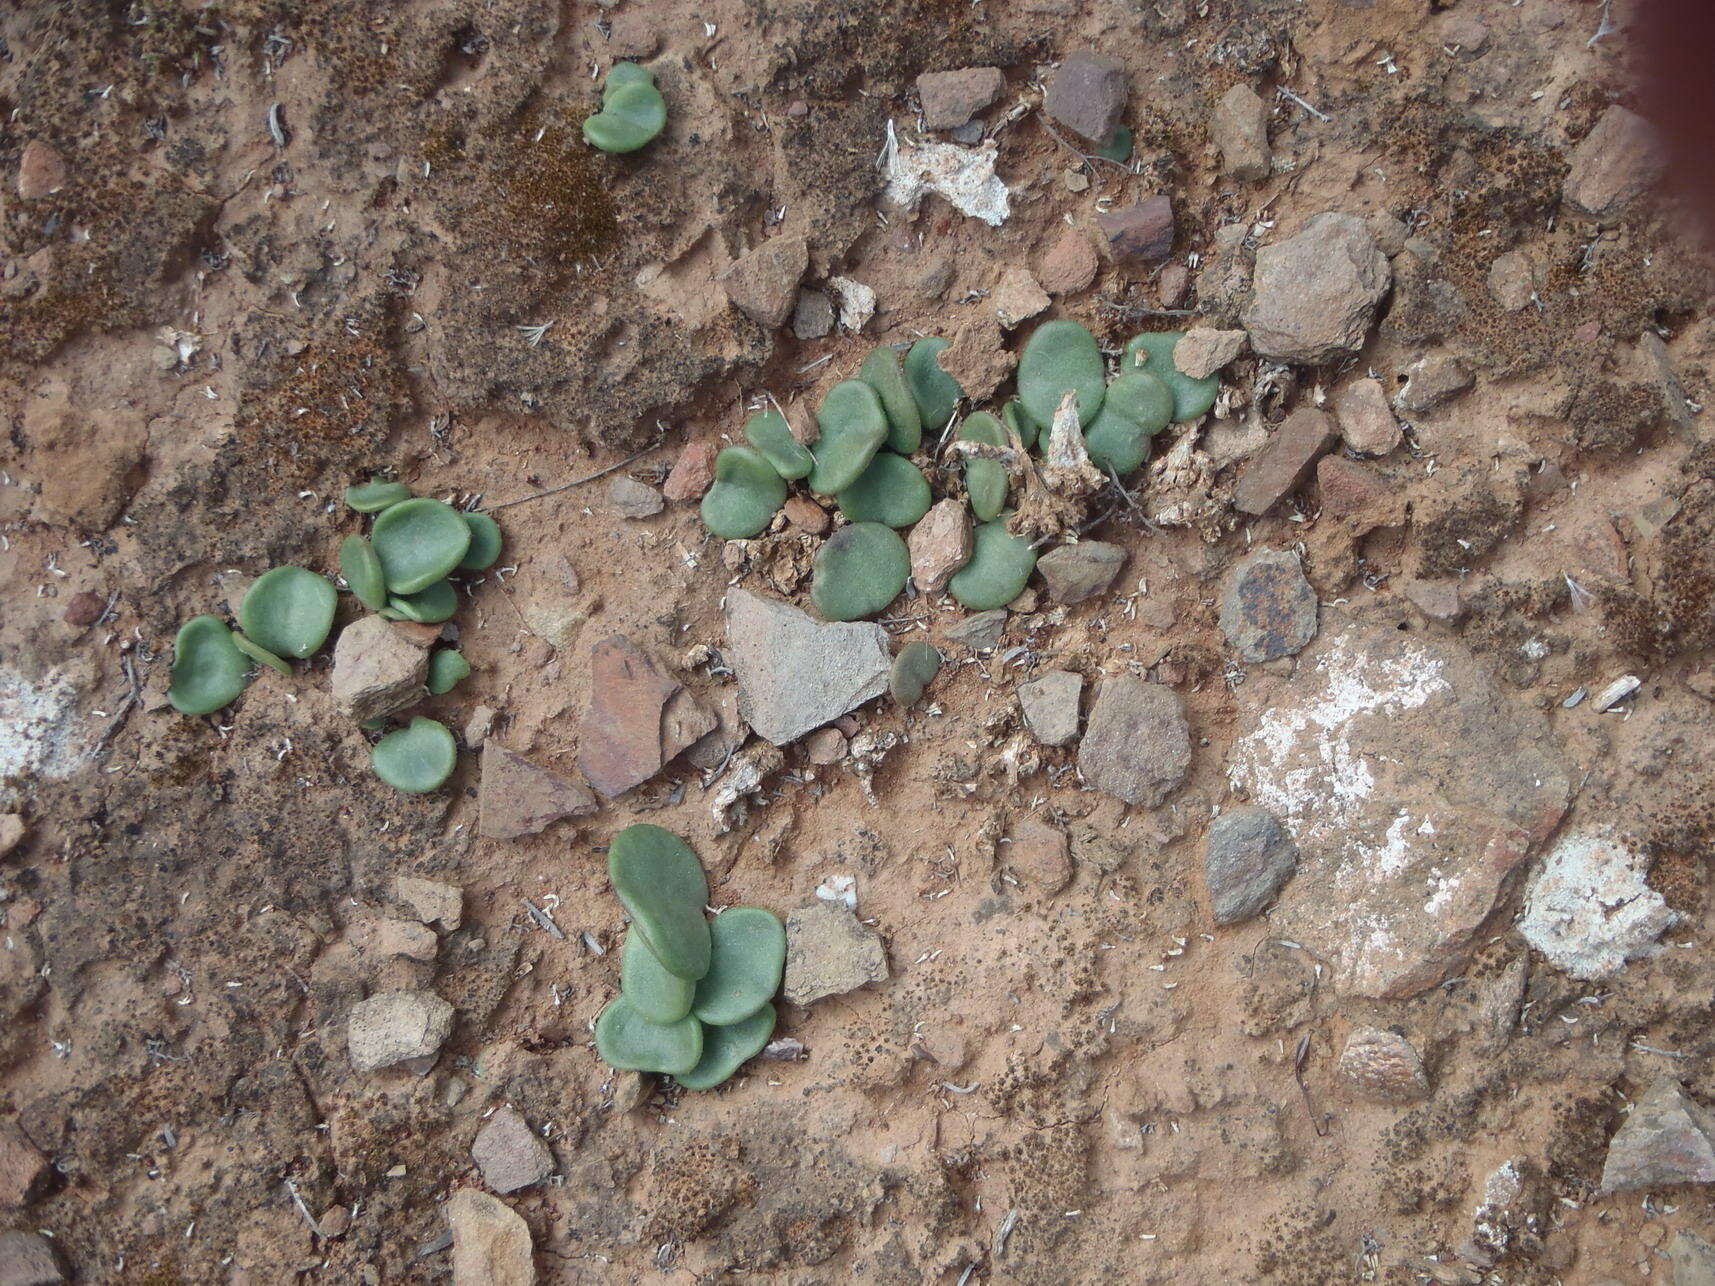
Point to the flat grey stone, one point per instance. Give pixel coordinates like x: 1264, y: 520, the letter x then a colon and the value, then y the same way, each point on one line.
x: 395, y: 1027
x: 1247, y: 856
x: 1137, y: 747
x: 796, y: 673
x: 1269, y: 610
x: 1050, y: 705
x: 1668, y: 1139
x: 830, y: 952
x: 510, y: 1154
x: 1076, y: 572
x: 980, y: 633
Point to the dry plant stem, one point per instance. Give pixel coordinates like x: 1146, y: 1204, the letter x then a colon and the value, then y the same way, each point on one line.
x: 577, y: 482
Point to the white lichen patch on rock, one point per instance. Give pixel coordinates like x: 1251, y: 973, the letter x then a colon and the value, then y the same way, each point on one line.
x: 1589, y: 909
x: 41, y: 733
x: 963, y: 175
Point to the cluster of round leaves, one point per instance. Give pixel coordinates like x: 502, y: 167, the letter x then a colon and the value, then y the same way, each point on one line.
x: 870, y: 426
x: 400, y: 570
x: 696, y: 996
x: 632, y: 111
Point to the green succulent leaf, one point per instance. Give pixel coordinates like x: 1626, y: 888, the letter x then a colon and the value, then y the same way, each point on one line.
x: 936, y: 393
x: 853, y: 427
x: 1137, y: 407
x: 882, y: 372
x: 632, y: 111
x: 659, y: 881
x: 1000, y: 565
x: 985, y: 480
x: 748, y: 954
x: 628, y: 1041
x: 746, y: 494
x: 656, y: 994
x: 373, y: 497
x: 1013, y: 417
x: 417, y: 758
x: 725, y: 1049
x: 419, y: 542
x: 362, y: 572
x: 858, y: 571
x: 1118, y: 146
x: 913, y: 669
x: 891, y: 491
x: 427, y: 607
x: 485, y: 541
x: 447, y: 669
x: 288, y: 611
x: 262, y: 654
x: 1060, y: 357
x: 209, y: 669
x: 1153, y: 352
x: 769, y: 433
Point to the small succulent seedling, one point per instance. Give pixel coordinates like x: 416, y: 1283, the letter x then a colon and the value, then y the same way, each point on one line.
x: 1013, y: 417
x: 748, y: 954
x: 746, y: 494
x: 769, y: 433
x: 484, y: 543
x: 262, y: 654
x: 427, y: 607
x: 288, y: 611
x: 632, y: 111
x: 373, y: 497
x: 630, y: 1042
x: 447, y: 669
x: 936, y: 393
x: 985, y: 480
x: 209, y: 670
x: 725, y: 1048
x: 913, y: 669
x: 891, y: 491
x: 419, y: 542
x: 1136, y: 408
x: 659, y: 996
x: 881, y: 371
x: 417, y: 758
x: 859, y: 571
x: 1154, y: 353
x: 1118, y: 146
x: 362, y: 572
x: 661, y: 884
x: 1060, y: 356
x: 1000, y: 565
x: 853, y: 427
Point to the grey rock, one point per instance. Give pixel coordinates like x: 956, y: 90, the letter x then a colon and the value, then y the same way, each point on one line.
x: 516, y: 797
x: 1239, y: 128
x: 510, y: 1154
x: 1076, y: 572
x: 1614, y: 164
x: 763, y: 285
x: 1367, y: 422
x: 1384, y: 1065
x: 951, y: 98
x: 813, y: 315
x: 1137, y: 746
x: 980, y: 632
x: 376, y: 671
x: 1316, y: 293
x: 1668, y: 1139
x: 796, y: 673
x: 1087, y: 95
x: 1431, y: 381
x: 1693, y: 1260
x: 430, y: 901
x: 829, y: 952
x: 629, y: 498
x: 29, y: 1259
x: 1204, y: 350
x: 1050, y: 705
x: 1512, y: 280
x: 491, y: 1241
x: 1247, y: 857
x: 1590, y: 908
x: 394, y: 1027
x: 1268, y: 610
x: 1438, y: 600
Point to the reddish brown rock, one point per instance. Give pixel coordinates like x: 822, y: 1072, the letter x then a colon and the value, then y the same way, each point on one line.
x: 84, y: 609
x: 1668, y: 1139
x: 807, y: 516
x: 638, y: 718
x: 951, y: 98
x: 1203, y: 350
x: 1614, y: 164
x: 1087, y: 95
x: 940, y: 544
x: 1316, y: 293
x: 1285, y: 461
x: 1141, y: 233
x: 1352, y: 492
x: 1367, y: 422
x: 510, y: 1154
x: 1039, y: 856
x: 24, y: 1172
x: 1070, y: 264
x: 1438, y: 600
x: 693, y: 472
x: 1239, y: 129
x: 41, y: 171
x: 1137, y: 746
x: 763, y: 285
x: 1175, y: 285
x: 517, y: 797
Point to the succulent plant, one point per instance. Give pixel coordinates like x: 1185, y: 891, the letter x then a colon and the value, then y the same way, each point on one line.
x: 431, y: 606
x: 746, y: 494
x: 485, y: 542
x: 373, y: 497
x: 1060, y: 356
x: 262, y: 654
x: 1136, y: 408
x: 1119, y: 145
x: 748, y: 955
x: 881, y: 371
x: 659, y: 881
x: 985, y: 480
x: 632, y: 111
x: 859, y: 571
x: 769, y: 433
x: 288, y: 611
x: 1012, y: 416
x: 853, y: 427
x: 1000, y: 566
x: 447, y: 669
x: 630, y: 1042
x: 656, y: 994
x: 416, y: 758
x: 362, y: 571
x: 419, y: 542
x: 209, y: 670
x: 891, y: 491
x: 936, y: 393
x: 726, y: 1047
x: 913, y: 669
x: 1153, y: 352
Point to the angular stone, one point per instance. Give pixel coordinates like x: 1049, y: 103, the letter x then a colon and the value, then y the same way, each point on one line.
x: 1512, y: 280
x: 516, y: 797
x: 629, y: 498
x: 1050, y: 705
x: 638, y: 719
x: 829, y: 952
x: 1079, y: 571
x: 1414, y: 788
x: 795, y: 673
x: 1087, y: 95
x: 84, y: 609
x: 430, y: 901
x: 1239, y: 129
x: 1268, y: 610
x: 1039, y: 856
x: 1354, y: 492
x: 41, y: 171
x: 29, y: 1259
x: 376, y: 672
x: 1175, y: 285
x: 1590, y: 909
x: 1668, y: 1139
x: 1140, y: 233
x: 477, y: 726
x: 1017, y: 297
x: 1432, y: 380
x: 1137, y: 746
x: 1247, y: 857
x: 808, y: 516
x: 825, y: 746
x: 1070, y: 264
x: 950, y: 98
x: 763, y: 285
x: 1614, y: 164
x: 12, y: 832
x: 386, y: 938
x: 491, y: 1241
x: 24, y: 1172
x: 1438, y: 600
x: 395, y: 1027
x: 1316, y: 293
x: 1383, y: 1065
x: 693, y: 472
x: 1285, y: 461
x: 980, y: 632
x: 1204, y: 350
x: 812, y: 315
x: 1693, y: 1260
x: 939, y: 544
x: 510, y: 1154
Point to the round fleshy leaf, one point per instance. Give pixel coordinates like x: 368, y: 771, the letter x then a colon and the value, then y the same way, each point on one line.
x: 985, y: 480
x: 632, y: 111
x: 659, y: 881
x: 913, y: 669
x: 745, y: 964
x: 936, y: 393
x: 262, y: 654
x: 1060, y: 357
x: 419, y: 542
x: 484, y: 543
x: 428, y: 607
x: 769, y: 433
x: 629, y: 1042
x: 853, y: 427
x: 1118, y: 146
x: 447, y: 669
x: 289, y: 611
x: 746, y: 494
x: 417, y: 758
x: 725, y: 1049
x: 209, y: 670
x: 1000, y: 565
x: 373, y: 497
x: 858, y: 571
x: 1137, y: 407
x: 657, y: 995
x: 1013, y: 417
x: 1153, y: 352
x: 891, y: 490
x: 362, y: 572
x: 881, y: 371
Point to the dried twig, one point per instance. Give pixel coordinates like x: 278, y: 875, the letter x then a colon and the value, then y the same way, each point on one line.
x: 578, y: 482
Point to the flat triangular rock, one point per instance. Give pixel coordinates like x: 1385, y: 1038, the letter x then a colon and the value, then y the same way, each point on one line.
x: 1668, y: 1139
x: 517, y: 797
x: 638, y: 718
